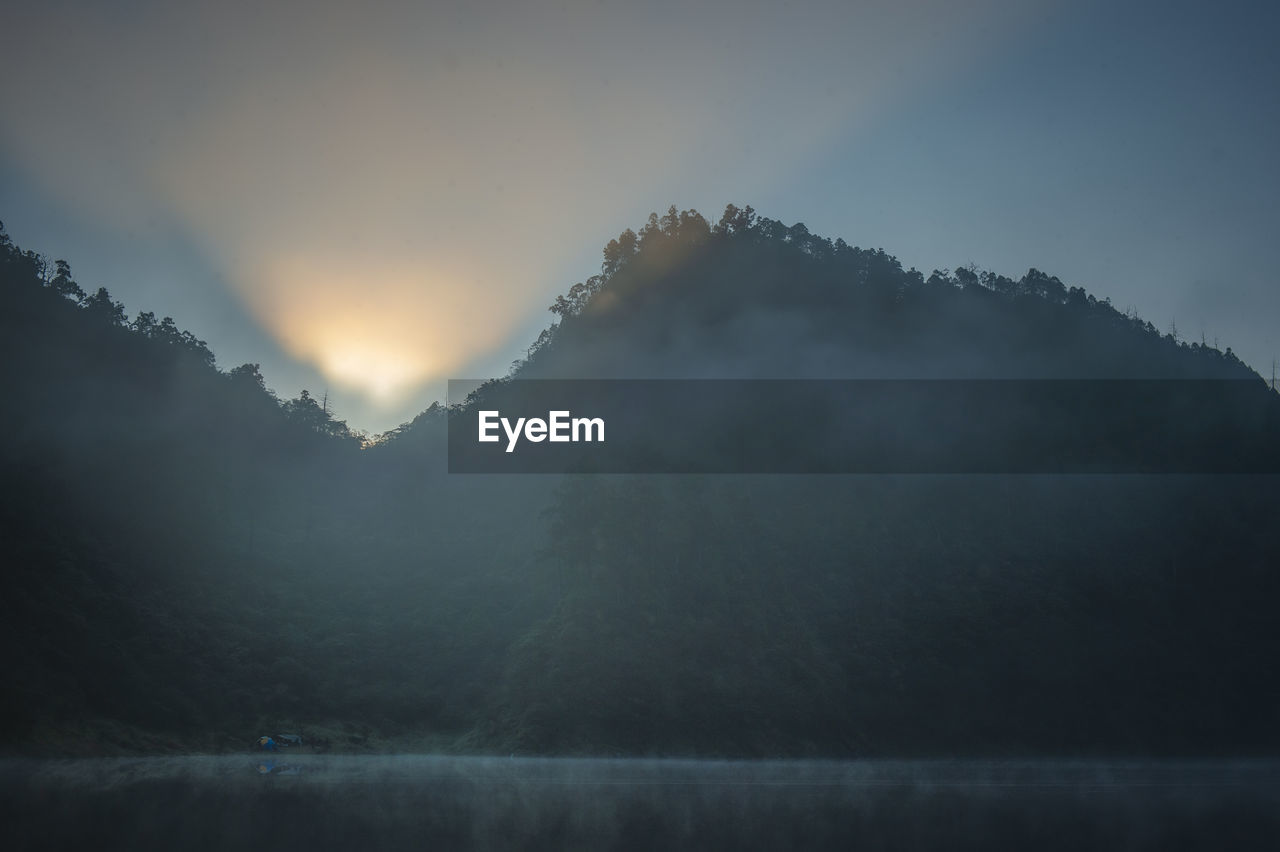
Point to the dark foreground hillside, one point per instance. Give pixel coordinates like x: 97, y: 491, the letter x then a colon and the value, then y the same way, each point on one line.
x: 191, y: 562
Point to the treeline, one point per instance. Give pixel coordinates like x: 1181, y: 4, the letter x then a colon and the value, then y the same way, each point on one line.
x: 731, y: 299
x: 43, y: 297
x: 891, y: 614
x: 167, y: 527
x: 191, y: 557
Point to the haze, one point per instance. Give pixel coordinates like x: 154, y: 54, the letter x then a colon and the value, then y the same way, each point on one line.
x: 372, y: 201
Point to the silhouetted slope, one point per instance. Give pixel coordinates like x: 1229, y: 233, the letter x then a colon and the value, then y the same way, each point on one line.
x: 190, y: 556
x: 750, y: 297
x: 887, y: 614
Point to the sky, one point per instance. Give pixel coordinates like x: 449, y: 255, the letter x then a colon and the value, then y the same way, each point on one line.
x: 370, y: 199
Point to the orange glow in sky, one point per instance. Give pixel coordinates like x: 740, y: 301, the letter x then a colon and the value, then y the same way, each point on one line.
x: 396, y: 191
x: 377, y: 327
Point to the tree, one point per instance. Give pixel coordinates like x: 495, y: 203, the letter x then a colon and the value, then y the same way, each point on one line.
x: 735, y: 220
x: 967, y: 277
x: 670, y: 222
x: 1036, y: 283
x: 798, y: 235
x: 693, y: 227
x: 305, y: 410
x: 145, y: 324
x: 248, y: 375
x: 193, y: 345
x: 561, y: 307
x: 578, y: 297
x: 651, y: 233
x: 63, y: 284
x: 101, y: 307
x: 618, y: 252
x: 939, y: 279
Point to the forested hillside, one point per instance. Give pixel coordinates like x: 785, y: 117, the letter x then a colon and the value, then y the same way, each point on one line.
x: 190, y: 559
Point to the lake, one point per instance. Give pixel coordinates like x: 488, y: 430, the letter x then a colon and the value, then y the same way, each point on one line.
x: 323, y: 802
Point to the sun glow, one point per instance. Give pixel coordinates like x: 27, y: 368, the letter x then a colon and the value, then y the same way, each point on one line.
x: 380, y: 329
x: 382, y: 373
x: 392, y: 195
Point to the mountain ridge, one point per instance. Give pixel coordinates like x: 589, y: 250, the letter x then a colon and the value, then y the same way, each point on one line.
x: 197, y: 562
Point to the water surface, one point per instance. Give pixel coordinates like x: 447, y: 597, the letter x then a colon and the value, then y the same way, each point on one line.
x: 322, y: 802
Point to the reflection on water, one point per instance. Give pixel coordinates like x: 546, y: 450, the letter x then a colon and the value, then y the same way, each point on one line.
x: 321, y: 802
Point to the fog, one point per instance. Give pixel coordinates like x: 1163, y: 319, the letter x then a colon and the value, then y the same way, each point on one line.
x: 392, y: 802
x: 376, y: 200
x: 781, y: 661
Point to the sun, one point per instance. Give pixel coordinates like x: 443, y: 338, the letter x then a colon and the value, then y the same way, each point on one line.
x: 378, y: 326
x: 373, y: 368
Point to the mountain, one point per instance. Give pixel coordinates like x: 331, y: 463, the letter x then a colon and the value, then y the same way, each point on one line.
x: 194, y: 562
